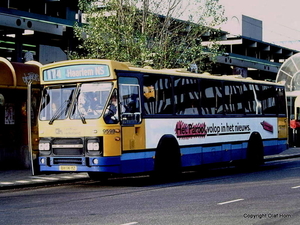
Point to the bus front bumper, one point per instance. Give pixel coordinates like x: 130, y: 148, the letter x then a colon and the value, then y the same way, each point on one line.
x: 80, y: 164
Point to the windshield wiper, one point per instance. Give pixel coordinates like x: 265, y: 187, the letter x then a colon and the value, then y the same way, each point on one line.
x: 60, y: 110
x: 79, y: 113
x: 81, y: 116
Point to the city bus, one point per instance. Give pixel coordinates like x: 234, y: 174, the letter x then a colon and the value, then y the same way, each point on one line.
x: 105, y: 117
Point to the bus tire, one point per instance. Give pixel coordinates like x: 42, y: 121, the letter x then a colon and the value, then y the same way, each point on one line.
x: 255, y: 151
x: 96, y: 176
x: 167, y: 163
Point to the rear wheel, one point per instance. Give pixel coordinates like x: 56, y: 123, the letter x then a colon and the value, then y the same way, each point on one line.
x: 167, y: 159
x: 255, y: 151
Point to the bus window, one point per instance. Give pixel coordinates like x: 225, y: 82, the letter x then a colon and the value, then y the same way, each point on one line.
x: 233, y: 98
x: 159, y: 101
x: 281, y: 101
x: 129, y: 91
x: 249, y: 95
x: 111, y: 111
x: 55, y: 102
x: 186, y: 98
x: 90, y: 100
x: 267, y: 98
x: 211, y: 97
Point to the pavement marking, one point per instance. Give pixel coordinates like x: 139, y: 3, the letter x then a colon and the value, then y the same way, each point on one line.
x: 22, y: 181
x: 6, y: 183
x: 38, y: 180
x: 49, y: 178
x: 295, y: 187
x: 80, y: 175
x: 232, y: 201
x: 130, y: 223
x: 66, y: 177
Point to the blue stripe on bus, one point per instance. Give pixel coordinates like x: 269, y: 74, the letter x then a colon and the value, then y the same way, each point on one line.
x: 272, y: 147
x: 80, y: 168
x: 194, y: 156
x: 103, y: 164
x: 137, y: 162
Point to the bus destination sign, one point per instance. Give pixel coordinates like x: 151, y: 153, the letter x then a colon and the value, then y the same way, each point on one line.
x: 76, y: 72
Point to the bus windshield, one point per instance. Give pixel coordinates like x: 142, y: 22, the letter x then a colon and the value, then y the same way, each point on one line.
x: 90, y: 100
x: 55, y: 103
x: 88, y: 103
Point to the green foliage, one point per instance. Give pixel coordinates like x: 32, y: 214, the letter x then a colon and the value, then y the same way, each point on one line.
x: 135, y: 31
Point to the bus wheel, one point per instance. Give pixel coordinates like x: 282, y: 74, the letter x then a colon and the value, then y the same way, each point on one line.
x: 167, y: 163
x: 99, y: 176
x: 255, y: 151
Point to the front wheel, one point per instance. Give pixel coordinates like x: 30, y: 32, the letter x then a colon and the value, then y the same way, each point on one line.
x: 99, y: 176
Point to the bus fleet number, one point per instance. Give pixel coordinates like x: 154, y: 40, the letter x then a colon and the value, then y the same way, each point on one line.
x: 109, y: 131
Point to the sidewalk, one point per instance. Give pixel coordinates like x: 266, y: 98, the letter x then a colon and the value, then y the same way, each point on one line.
x: 289, y: 153
x: 22, y: 178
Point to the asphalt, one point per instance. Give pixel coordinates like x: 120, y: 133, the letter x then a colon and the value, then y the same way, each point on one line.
x: 10, y: 179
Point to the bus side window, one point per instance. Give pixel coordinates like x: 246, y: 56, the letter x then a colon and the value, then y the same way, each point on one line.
x: 186, y: 96
x: 280, y: 100
x: 130, y: 100
x: 268, y: 99
x: 211, y: 97
x: 157, y: 95
x: 249, y: 99
x: 233, y: 98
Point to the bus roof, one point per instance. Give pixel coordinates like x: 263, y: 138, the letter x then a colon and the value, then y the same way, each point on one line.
x: 205, y: 75
x: 115, y: 65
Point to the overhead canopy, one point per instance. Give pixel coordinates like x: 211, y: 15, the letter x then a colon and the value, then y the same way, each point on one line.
x: 289, y: 73
x: 7, y: 73
x: 13, y: 74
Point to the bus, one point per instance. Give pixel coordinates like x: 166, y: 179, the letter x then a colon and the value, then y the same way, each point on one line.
x: 105, y: 117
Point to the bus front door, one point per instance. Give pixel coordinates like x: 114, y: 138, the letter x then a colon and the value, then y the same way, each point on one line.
x: 133, y: 132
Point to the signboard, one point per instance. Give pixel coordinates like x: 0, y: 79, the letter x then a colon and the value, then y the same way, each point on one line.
x: 76, y: 72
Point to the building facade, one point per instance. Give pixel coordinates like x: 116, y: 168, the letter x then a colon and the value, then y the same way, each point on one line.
x: 246, y: 54
x: 43, y: 28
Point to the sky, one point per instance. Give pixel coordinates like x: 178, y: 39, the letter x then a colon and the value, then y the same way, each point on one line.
x: 281, y: 18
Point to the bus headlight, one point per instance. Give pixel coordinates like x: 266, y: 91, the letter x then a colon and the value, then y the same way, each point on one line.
x: 44, y: 146
x: 92, y: 145
x: 95, y: 161
x: 42, y: 161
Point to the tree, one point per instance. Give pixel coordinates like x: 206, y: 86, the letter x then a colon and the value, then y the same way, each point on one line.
x: 160, y: 33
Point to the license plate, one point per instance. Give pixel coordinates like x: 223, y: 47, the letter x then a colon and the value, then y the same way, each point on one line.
x: 68, y: 168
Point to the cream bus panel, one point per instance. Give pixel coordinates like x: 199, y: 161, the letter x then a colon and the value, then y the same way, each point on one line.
x: 71, y: 128
x: 209, y: 130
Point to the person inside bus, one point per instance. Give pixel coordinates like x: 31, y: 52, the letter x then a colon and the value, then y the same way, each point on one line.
x: 95, y: 108
x: 131, y: 106
x: 83, y: 104
x: 111, y: 114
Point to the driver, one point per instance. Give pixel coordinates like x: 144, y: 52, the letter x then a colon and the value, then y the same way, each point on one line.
x: 111, y: 115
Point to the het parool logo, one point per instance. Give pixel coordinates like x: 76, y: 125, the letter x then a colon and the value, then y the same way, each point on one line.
x: 201, y: 130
